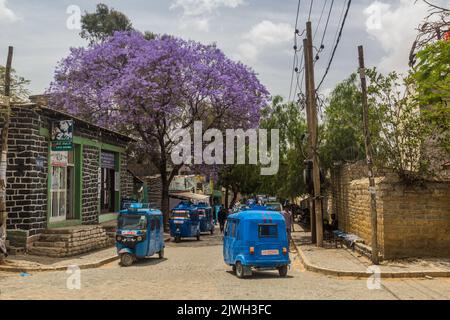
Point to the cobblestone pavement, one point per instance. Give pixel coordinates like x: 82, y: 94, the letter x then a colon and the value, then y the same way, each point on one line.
x: 195, y: 270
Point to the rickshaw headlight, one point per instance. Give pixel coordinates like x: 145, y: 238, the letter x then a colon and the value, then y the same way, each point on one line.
x: 139, y: 239
x: 252, y: 250
x: 119, y: 238
x: 284, y: 250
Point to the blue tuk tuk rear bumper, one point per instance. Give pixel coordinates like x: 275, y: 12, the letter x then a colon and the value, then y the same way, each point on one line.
x: 261, y: 263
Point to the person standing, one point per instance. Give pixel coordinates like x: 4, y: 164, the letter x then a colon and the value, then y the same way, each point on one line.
x: 288, y: 220
x: 222, y: 218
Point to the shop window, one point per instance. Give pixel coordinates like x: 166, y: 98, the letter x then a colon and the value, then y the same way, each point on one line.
x: 62, y: 186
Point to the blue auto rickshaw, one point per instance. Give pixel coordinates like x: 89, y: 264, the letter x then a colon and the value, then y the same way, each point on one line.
x: 256, y: 239
x: 184, y: 222
x: 140, y: 233
x: 205, y: 215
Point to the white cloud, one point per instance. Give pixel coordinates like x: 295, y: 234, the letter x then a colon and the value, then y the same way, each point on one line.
x: 198, y: 13
x: 264, y: 34
x: 6, y: 14
x: 395, y: 28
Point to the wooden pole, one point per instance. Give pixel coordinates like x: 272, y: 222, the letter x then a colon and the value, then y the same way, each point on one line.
x: 310, y: 146
x: 369, y: 158
x: 4, y: 149
x: 314, y: 137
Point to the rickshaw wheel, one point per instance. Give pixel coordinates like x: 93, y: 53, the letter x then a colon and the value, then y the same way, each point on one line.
x: 126, y: 259
x: 283, y: 271
x: 198, y: 237
x: 212, y: 231
x: 161, y: 254
x: 177, y: 239
x: 239, y: 270
x: 234, y: 269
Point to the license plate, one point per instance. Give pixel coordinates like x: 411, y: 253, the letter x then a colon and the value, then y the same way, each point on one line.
x: 129, y: 233
x: 270, y: 252
x: 179, y: 222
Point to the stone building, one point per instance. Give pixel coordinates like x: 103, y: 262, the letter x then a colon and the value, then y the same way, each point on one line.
x: 56, y: 199
x: 413, y: 220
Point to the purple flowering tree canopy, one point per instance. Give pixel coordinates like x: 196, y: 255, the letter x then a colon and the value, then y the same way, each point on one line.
x: 149, y: 88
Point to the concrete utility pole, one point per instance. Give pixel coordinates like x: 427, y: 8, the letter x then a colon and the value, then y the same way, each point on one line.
x: 6, y: 110
x: 313, y: 128
x: 372, y: 190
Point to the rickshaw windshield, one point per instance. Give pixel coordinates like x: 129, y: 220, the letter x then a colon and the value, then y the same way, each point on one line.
x: 267, y: 231
x: 180, y: 214
x: 132, y: 222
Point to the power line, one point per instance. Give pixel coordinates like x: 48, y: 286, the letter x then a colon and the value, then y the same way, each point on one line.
x: 336, y: 45
x: 320, y: 19
x: 326, y: 25
x: 295, y: 48
x: 310, y: 9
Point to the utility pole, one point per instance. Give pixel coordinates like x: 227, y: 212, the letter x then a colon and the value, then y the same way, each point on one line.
x: 313, y: 128
x: 6, y: 109
x: 369, y: 158
x: 310, y: 147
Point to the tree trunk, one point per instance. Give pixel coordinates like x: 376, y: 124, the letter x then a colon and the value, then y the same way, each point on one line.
x: 165, y: 201
x: 233, y: 200
x: 226, y: 198
x: 4, y: 155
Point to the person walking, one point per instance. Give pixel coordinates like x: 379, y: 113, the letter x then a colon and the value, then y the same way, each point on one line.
x: 287, y: 214
x: 222, y: 218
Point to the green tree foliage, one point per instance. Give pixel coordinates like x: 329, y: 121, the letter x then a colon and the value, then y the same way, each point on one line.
x: 19, y: 90
x: 400, y: 143
x: 431, y: 80
x: 97, y: 26
x: 288, y: 182
x: 286, y: 117
x: 342, y: 136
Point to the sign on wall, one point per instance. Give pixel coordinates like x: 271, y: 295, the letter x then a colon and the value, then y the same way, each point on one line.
x: 107, y: 160
x: 117, y: 181
x: 59, y: 158
x: 62, y: 135
x: 99, y: 185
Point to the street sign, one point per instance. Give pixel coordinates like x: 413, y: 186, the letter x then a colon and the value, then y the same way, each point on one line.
x: 62, y: 135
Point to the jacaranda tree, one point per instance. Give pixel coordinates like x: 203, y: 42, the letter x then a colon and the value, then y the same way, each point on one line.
x: 149, y: 88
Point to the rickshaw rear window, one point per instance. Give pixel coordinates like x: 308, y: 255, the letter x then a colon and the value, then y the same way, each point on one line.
x: 132, y: 222
x: 268, y: 231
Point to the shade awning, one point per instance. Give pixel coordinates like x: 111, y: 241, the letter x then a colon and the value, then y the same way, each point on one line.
x: 195, y: 197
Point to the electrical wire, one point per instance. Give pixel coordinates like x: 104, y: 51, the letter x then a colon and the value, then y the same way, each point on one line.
x: 295, y: 48
x: 336, y: 45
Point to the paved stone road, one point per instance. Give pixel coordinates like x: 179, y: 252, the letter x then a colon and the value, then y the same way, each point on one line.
x: 195, y: 270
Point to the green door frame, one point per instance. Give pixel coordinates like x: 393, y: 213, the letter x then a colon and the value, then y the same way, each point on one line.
x: 79, y: 143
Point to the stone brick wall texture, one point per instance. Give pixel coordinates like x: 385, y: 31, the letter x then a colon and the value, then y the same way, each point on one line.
x: 90, y: 200
x: 412, y: 221
x: 26, y: 184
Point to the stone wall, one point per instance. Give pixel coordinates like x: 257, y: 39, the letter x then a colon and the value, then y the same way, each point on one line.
x: 26, y: 184
x: 90, y: 200
x: 412, y: 221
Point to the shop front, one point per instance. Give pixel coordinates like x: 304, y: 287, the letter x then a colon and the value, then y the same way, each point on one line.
x: 62, y: 172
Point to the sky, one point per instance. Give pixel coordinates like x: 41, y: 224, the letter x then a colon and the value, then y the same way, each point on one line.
x: 260, y: 33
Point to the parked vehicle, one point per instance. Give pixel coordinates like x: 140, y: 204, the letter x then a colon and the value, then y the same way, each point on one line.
x: 256, y: 239
x: 140, y: 233
x: 184, y: 222
x: 274, y: 206
x: 206, y: 218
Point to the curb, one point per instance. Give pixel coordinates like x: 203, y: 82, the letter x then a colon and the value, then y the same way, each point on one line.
x: 359, y: 274
x: 91, y: 265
